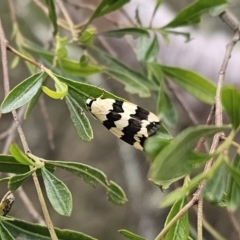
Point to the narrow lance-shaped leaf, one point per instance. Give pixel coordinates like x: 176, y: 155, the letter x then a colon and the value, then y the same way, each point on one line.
x: 87, y: 37
x: 64, y: 65
x: 107, y: 6
x: 58, y: 194
x: 233, y: 191
x: 165, y: 108
x: 192, y: 14
x: 16, y: 181
x: 79, y: 118
x: 158, y: 3
x: 9, y: 164
x: 93, y: 176
x: 216, y: 186
x: 75, y: 68
x: 193, y: 83
x: 176, y: 160
x: 4, y: 233
x: 115, y: 64
x: 129, y: 235
x: 83, y: 91
x: 27, y: 230
x: 131, y: 83
x: 147, y: 49
x: 235, y: 173
x: 60, y: 49
x: 52, y: 15
x: 19, y: 155
x: 180, y: 193
x: 22, y: 93
x: 32, y: 103
x: 230, y: 97
x: 153, y: 50
x: 118, y: 33
x: 180, y: 230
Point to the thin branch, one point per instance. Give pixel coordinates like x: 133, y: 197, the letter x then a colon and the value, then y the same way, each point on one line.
x: 4, y: 46
x: 230, y: 20
x: 68, y: 19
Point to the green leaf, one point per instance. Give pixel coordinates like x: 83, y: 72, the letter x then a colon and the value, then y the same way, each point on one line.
x: 22, y: 93
x: 16, y: 181
x: 84, y: 60
x: 165, y: 108
x: 147, y: 49
x: 233, y: 191
x: 4, y: 233
x: 32, y: 103
x: 131, y: 78
x: 177, y: 158
x: 230, y: 97
x: 59, y: 93
x: 137, y: 17
x: 131, y: 83
x: 14, y: 62
x: 93, y: 176
x: 30, y: 231
x: 52, y: 15
x: 153, y: 50
x: 4, y: 180
x: 130, y: 235
x: 158, y: 3
x: 216, y: 11
x: 58, y: 194
x: 84, y: 91
x: 67, y: 65
x: 9, y: 164
x: 165, y: 32
x: 180, y: 193
x: 196, y: 85
x: 134, y: 32
x: 107, y: 6
x: 154, y: 144
x: 216, y: 186
x: 19, y: 155
x: 61, y: 50
x: 180, y: 230
x: 235, y: 173
x: 192, y: 14
x: 87, y: 36
x: 155, y: 70
x: 79, y: 118
x: 75, y: 68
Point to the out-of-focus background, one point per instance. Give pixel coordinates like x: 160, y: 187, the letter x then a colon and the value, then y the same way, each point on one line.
x: 92, y: 213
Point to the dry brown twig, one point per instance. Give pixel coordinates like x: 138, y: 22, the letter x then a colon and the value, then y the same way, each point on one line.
x: 4, y: 47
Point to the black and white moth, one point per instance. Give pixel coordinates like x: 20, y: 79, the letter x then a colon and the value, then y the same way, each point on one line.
x: 125, y: 120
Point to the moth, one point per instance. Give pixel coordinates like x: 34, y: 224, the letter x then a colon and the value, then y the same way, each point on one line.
x: 127, y: 121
